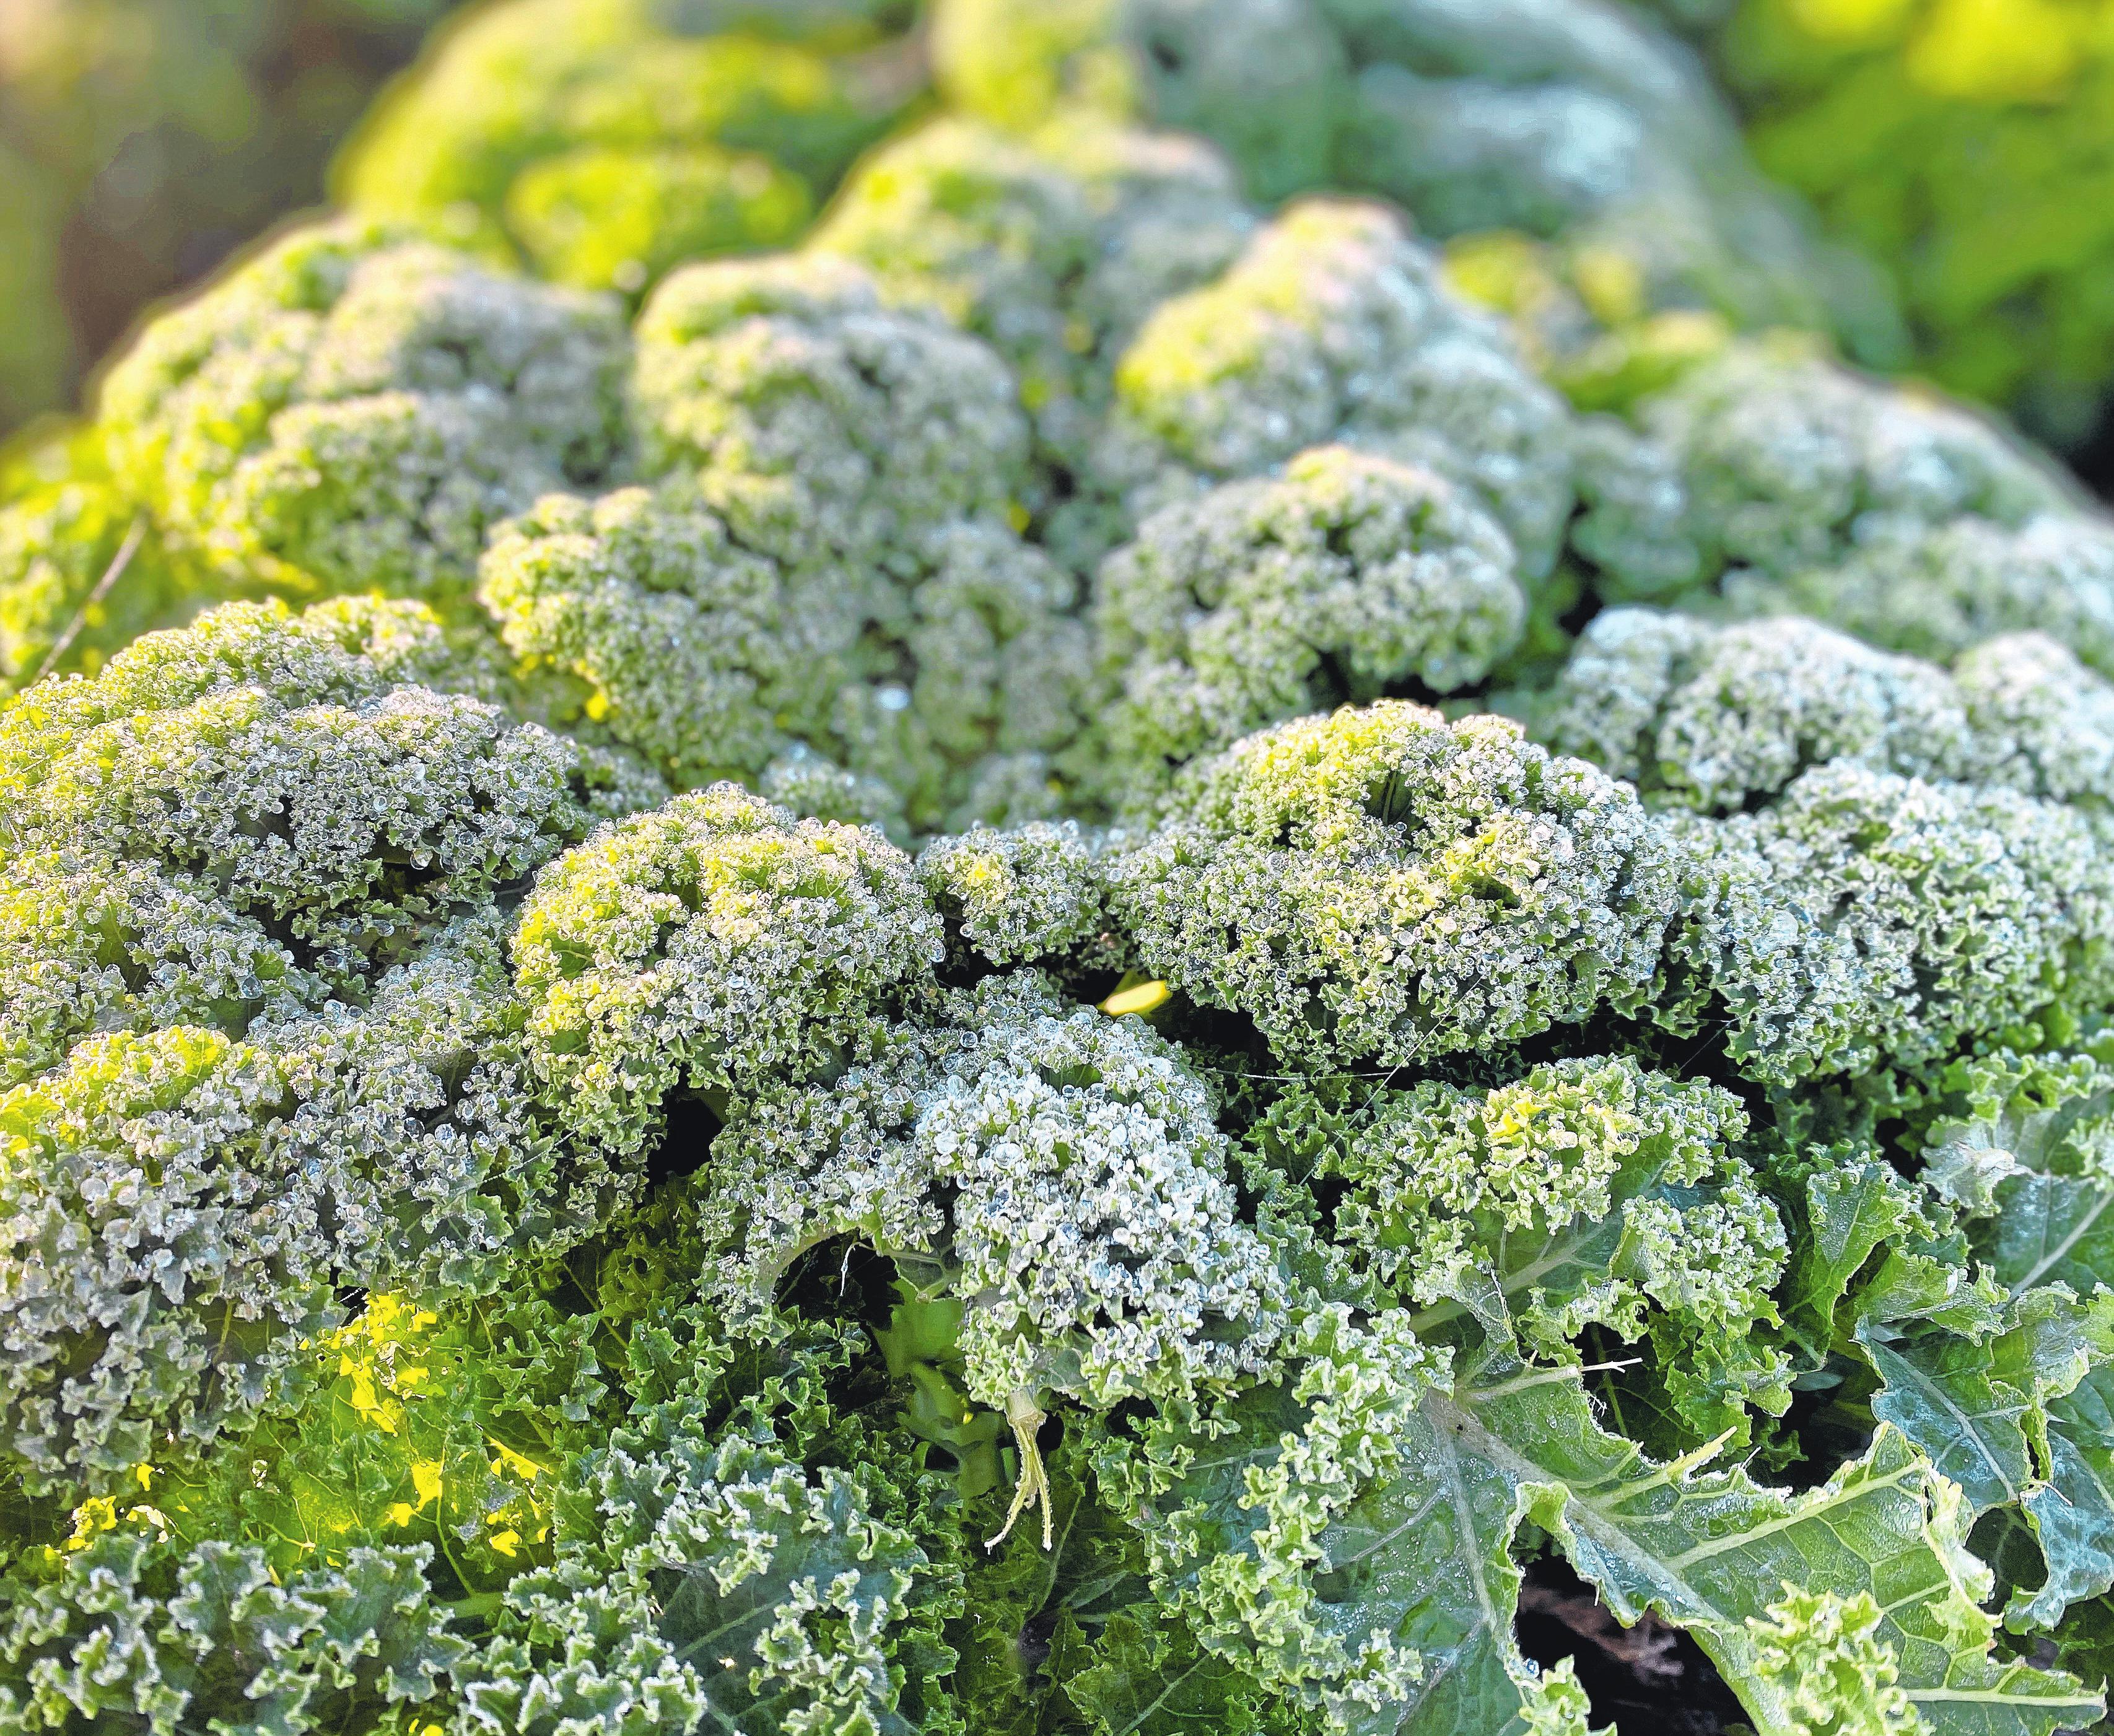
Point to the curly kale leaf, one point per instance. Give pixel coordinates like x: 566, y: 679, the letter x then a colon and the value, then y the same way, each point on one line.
x: 746, y: 1557
x: 1414, y: 1565
x: 129, y: 1633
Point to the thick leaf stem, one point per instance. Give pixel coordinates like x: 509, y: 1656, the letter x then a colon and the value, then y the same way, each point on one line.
x: 1033, y: 1488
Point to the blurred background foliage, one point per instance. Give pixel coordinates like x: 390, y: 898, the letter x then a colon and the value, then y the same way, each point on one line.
x: 143, y: 140
x: 1966, y: 147
x: 599, y: 142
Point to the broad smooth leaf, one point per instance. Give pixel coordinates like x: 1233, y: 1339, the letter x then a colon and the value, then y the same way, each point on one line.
x: 1425, y: 1555
x: 1939, y: 1392
x: 2049, y: 1230
x: 1710, y: 1551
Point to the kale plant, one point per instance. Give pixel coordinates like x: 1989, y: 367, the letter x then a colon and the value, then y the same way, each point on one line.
x: 1078, y: 962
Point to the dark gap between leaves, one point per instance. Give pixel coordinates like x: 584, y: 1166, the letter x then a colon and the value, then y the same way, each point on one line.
x: 1649, y: 1680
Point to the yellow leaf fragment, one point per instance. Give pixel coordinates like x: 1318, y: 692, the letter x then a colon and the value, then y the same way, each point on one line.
x: 1140, y: 998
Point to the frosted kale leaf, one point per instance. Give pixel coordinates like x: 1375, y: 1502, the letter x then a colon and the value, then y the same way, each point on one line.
x: 1868, y: 914
x: 1052, y: 247
x: 1032, y: 892
x: 1823, y: 1654
x: 129, y: 1634
x: 1246, y: 1494
x: 1586, y: 125
x: 2055, y: 715
x: 948, y: 680
x: 2008, y: 1399
x: 1379, y: 883
x: 1584, y: 1193
x: 716, y: 943
x: 1264, y: 599
x: 1713, y: 718
x: 1411, y: 1560
x: 1788, y: 463
x: 1721, y: 717
x: 1055, y: 1170
x: 445, y: 1422
x: 746, y: 1557
x: 1334, y: 325
x: 272, y: 759
x: 182, y: 1208
x: 354, y: 408
x: 682, y: 644
x: 1940, y: 591
x: 88, y: 944
x: 819, y: 422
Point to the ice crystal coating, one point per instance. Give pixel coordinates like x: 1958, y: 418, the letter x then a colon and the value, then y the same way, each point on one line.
x: 354, y: 408
x: 1940, y: 593
x: 686, y: 644
x: 1782, y: 461
x: 1029, y: 891
x: 1713, y: 717
x: 816, y: 788
x: 1380, y: 885
x: 1723, y: 718
x: 1334, y: 325
x: 1269, y: 1482
x: 256, y: 754
x: 949, y: 684
x: 89, y: 944
x: 182, y: 1208
x: 872, y: 453
x: 279, y: 760
x: 1057, y: 1170
x: 2031, y: 693
x: 1867, y: 915
x: 713, y: 943
x: 259, y: 1028
x: 1051, y: 249
x: 821, y: 423
x: 1440, y: 1175
x: 1261, y: 601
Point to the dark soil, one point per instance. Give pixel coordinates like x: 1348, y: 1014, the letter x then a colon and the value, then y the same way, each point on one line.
x: 1647, y: 1680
